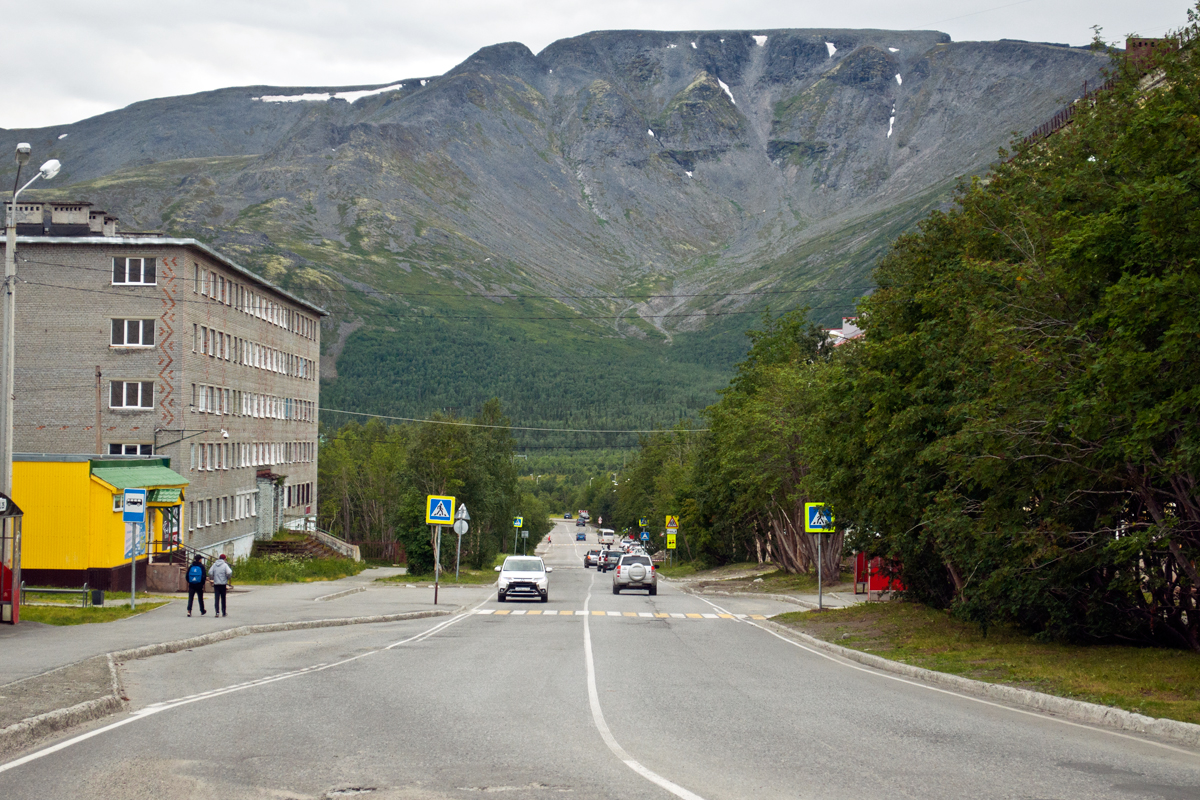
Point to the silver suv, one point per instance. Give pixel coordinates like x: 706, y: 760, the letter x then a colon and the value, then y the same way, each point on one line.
x: 635, y: 572
x: 523, y: 576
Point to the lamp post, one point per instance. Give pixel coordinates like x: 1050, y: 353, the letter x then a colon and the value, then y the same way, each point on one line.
x: 47, y: 171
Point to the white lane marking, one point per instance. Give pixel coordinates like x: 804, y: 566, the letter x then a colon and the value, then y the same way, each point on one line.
x: 167, y: 705
x: 880, y: 674
x: 645, y: 614
x: 678, y: 616
x: 610, y: 613
x: 602, y: 726
x: 710, y: 616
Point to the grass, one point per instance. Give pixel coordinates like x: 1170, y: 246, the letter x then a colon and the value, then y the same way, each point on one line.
x: 282, y: 568
x: 74, y: 601
x: 54, y: 615
x: 465, y: 576
x: 1152, y: 681
x: 677, y: 571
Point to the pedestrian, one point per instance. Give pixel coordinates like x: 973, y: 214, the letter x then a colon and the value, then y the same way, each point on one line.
x: 220, y: 573
x: 195, y: 581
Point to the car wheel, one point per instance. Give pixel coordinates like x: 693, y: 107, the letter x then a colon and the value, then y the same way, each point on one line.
x: 546, y: 596
x: 500, y: 597
x: 616, y: 589
x: 653, y: 590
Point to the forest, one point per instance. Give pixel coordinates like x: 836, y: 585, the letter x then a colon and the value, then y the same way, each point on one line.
x: 1017, y: 431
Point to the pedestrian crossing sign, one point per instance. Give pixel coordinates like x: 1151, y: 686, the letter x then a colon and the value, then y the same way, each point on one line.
x: 643, y: 522
x: 818, y: 518
x: 518, y: 522
x: 672, y: 523
x: 439, y: 510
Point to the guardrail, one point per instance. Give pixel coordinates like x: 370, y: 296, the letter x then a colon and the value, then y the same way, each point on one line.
x: 84, y: 592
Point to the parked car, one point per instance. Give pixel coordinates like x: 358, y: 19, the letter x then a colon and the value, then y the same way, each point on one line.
x: 591, y: 559
x: 581, y: 537
x: 635, y: 572
x: 609, y: 559
x: 567, y: 515
x: 523, y: 576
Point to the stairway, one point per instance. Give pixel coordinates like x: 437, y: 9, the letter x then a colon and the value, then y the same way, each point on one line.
x: 306, y: 548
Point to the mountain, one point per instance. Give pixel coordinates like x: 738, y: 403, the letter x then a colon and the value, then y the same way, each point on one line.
x: 586, y: 231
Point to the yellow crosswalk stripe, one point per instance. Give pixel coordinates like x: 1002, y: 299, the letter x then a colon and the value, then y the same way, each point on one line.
x: 503, y: 611
x: 757, y: 616
x: 631, y: 613
x: 695, y: 616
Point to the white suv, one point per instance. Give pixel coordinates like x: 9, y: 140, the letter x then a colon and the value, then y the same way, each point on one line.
x: 635, y: 572
x: 523, y: 576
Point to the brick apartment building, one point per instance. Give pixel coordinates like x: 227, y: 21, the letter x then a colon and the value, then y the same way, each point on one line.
x: 138, y: 344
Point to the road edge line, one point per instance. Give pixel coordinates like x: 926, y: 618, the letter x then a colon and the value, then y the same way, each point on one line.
x: 24, y: 733
x: 1076, y: 710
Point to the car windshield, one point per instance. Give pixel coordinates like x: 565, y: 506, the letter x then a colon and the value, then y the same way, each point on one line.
x: 523, y: 565
x: 627, y: 560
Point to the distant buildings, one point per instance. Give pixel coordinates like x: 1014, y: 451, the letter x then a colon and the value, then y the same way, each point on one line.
x: 137, y: 344
x: 846, y: 333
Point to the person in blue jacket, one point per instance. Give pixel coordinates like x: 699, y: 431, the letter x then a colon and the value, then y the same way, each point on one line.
x: 195, y: 579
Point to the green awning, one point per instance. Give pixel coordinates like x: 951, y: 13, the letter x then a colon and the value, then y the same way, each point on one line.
x: 163, y: 496
x: 141, y: 474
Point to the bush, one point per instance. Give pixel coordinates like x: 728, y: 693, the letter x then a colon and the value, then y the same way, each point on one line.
x: 287, y: 568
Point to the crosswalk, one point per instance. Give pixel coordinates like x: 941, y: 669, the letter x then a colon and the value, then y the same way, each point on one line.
x: 509, y: 612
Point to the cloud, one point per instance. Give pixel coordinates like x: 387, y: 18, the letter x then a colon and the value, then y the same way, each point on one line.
x: 97, y: 57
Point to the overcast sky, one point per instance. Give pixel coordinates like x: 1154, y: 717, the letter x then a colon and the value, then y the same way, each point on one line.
x: 86, y: 57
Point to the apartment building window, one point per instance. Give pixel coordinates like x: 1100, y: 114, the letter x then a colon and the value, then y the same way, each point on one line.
x: 131, y: 394
x: 134, y: 271
x: 131, y: 449
x: 195, y: 277
x: 192, y: 515
x: 133, y: 332
x: 208, y: 512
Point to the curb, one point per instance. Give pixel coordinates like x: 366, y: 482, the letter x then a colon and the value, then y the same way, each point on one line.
x: 342, y: 593
x: 25, y: 732
x: 1075, y: 710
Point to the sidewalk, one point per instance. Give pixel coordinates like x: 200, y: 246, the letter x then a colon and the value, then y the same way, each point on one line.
x: 32, y: 648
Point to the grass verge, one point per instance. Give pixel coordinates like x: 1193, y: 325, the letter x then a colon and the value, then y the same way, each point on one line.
x: 465, y: 576
x: 290, y: 569
x: 53, y: 615
x: 1152, y: 681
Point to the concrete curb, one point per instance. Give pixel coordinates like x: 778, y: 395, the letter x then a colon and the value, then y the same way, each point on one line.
x: 343, y: 593
x: 1075, y: 710
x: 27, y: 731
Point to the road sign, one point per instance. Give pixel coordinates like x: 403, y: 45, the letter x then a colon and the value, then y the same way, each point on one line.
x: 670, y: 541
x: 524, y: 534
x: 439, y: 509
x: 135, y: 539
x: 460, y: 526
x: 818, y: 518
x: 643, y: 522
x: 646, y: 536
x: 672, y: 523
x: 135, y: 505
x: 462, y: 512
x: 518, y: 522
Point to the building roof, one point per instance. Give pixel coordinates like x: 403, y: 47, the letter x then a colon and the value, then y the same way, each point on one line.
x: 169, y: 241
x: 149, y: 474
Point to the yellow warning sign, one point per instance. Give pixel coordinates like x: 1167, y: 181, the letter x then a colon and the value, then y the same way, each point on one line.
x: 670, y: 541
x: 672, y: 523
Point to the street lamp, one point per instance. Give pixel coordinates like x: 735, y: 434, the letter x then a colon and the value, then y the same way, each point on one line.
x: 47, y: 171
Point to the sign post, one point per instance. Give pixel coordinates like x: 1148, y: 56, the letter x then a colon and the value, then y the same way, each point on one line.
x: 517, y: 523
x: 818, y: 519
x: 134, y: 515
x: 524, y: 540
x: 672, y: 529
x: 461, y: 518
x: 439, y: 511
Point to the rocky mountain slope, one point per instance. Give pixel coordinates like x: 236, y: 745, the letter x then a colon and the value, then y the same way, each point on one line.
x: 551, y: 195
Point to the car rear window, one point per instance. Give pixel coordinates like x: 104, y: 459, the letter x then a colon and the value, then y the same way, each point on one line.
x: 636, y: 560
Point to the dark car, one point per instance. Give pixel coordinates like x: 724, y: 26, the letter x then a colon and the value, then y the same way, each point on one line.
x: 567, y: 515
x: 609, y: 559
x: 591, y: 559
x: 579, y: 523
x: 581, y: 537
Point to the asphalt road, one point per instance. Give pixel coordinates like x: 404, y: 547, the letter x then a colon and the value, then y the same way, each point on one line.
x: 584, y: 705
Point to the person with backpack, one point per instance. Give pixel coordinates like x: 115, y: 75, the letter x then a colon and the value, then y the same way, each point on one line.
x: 220, y: 573
x: 195, y: 581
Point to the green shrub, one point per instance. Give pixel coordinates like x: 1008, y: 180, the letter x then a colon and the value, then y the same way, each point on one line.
x: 286, y: 568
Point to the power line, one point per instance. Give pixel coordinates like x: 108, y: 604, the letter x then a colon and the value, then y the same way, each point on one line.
x: 506, y: 427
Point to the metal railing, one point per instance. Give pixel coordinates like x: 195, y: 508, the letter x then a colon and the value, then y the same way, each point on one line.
x: 85, y: 592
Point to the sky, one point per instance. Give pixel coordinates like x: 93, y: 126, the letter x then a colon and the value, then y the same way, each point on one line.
x: 88, y: 57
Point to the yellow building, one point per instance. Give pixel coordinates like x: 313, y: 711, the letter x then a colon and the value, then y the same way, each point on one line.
x: 74, y: 529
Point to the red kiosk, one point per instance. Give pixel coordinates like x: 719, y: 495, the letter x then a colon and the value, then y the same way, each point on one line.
x: 10, y: 560
x: 873, y: 577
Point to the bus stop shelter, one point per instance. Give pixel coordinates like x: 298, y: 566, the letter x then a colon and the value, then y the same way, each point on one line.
x: 10, y: 560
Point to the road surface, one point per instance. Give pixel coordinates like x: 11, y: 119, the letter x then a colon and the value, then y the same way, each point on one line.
x: 596, y: 696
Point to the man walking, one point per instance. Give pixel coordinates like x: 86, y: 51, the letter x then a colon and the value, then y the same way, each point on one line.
x: 195, y: 581
x: 220, y: 573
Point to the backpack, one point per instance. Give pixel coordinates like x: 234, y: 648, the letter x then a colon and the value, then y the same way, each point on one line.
x: 195, y: 574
